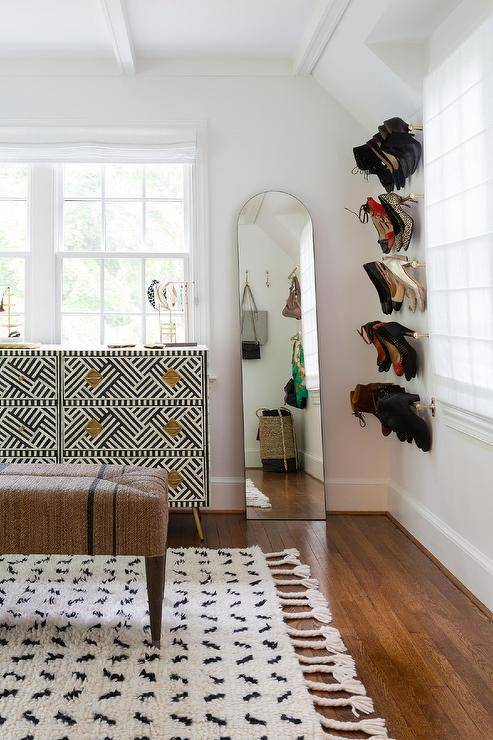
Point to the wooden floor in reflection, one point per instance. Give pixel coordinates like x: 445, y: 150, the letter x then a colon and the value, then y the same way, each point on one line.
x: 292, y: 495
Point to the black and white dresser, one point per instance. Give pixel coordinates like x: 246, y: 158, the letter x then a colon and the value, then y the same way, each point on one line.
x: 124, y: 406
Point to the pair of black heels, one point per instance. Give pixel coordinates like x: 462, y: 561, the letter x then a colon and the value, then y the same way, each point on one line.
x: 393, y: 350
x: 393, y: 154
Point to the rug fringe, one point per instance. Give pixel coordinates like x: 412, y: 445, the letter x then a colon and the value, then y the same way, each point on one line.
x: 358, y: 704
x: 306, y: 582
x: 338, y: 663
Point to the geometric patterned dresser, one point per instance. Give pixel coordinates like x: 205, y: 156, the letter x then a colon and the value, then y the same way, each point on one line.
x: 125, y: 406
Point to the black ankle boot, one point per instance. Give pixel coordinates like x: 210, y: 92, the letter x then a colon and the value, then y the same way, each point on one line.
x: 397, y: 413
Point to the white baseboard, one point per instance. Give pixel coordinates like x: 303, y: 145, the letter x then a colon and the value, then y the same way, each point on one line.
x: 471, y: 566
x: 227, y: 494
x: 252, y: 459
x: 357, y: 494
x: 312, y: 465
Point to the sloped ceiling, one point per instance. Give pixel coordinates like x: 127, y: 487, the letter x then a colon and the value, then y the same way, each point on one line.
x: 375, y: 61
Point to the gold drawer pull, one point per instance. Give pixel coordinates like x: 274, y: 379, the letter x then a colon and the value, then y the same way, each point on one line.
x: 22, y: 428
x: 174, y: 478
x: 93, y: 377
x: 21, y: 378
x: 93, y: 427
x: 171, y: 378
x: 172, y: 427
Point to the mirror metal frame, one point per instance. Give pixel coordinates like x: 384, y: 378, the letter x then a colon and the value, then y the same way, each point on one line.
x: 322, y: 418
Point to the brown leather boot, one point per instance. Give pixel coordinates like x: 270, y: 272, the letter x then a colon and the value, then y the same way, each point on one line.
x: 364, y: 397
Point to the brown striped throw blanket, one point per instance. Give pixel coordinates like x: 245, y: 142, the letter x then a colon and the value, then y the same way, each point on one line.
x: 82, y: 509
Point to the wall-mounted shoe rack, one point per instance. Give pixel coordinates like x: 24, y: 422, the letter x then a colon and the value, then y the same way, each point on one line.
x: 393, y: 155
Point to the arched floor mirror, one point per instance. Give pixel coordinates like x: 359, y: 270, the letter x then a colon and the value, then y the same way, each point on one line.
x: 284, y: 465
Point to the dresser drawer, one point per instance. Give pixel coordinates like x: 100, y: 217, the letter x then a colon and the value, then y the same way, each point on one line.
x: 28, y: 377
x: 142, y: 377
x: 133, y: 428
x: 28, y: 428
x: 187, y: 476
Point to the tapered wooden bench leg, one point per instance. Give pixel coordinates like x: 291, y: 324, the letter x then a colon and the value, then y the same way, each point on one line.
x: 155, y: 569
x: 198, y: 523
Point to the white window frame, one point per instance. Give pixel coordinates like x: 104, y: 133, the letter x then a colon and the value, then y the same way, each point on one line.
x: 26, y: 255
x: 42, y: 289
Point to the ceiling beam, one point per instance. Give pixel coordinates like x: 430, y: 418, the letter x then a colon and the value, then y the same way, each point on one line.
x: 115, y: 13
x: 319, y: 29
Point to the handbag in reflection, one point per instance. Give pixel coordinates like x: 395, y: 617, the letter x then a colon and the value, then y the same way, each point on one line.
x: 250, y: 345
x: 292, y: 309
x: 277, y: 440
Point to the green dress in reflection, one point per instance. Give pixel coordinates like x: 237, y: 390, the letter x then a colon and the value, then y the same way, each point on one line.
x: 298, y: 370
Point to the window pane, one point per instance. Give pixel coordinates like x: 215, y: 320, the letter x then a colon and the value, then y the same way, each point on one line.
x: 13, y: 226
x: 13, y: 180
x: 164, y: 181
x: 122, y: 285
x: 82, y: 227
x: 80, y: 330
x: 165, y: 227
x: 12, y: 275
x: 123, y: 180
x: 82, y: 180
x: 165, y: 269
x: 124, y: 227
x: 152, y: 328
x: 122, y: 329
x: 81, y: 285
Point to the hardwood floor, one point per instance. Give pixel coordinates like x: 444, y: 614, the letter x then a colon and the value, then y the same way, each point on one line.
x: 423, y: 650
x: 292, y: 495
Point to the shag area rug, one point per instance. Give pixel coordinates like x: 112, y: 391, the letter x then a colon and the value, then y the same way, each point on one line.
x: 255, y: 497
x: 76, y: 662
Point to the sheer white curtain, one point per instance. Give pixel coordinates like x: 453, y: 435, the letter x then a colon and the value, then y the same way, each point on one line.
x: 309, y: 308
x: 458, y: 129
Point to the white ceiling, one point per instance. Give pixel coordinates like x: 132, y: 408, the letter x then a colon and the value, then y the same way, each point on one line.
x: 265, y: 29
x: 154, y: 29
x: 53, y: 29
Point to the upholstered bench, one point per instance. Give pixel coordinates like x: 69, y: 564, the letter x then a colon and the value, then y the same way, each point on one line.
x: 84, y: 509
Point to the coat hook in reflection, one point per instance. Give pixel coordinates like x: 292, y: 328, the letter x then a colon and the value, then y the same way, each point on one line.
x: 413, y: 263
x: 267, y: 278
x: 420, y: 334
x: 422, y: 406
x: 415, y: 126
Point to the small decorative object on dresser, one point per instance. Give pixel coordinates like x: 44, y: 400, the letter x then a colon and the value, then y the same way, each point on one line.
x: 126, y: 406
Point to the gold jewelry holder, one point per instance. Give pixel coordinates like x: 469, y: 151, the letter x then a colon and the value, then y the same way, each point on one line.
x: 6, y: 306
x: 167, y: 327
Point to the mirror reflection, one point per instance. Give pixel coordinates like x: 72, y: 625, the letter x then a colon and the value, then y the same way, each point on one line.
x: 279, y: 345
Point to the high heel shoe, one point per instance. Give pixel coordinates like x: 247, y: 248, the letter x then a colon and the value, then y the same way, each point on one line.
x: 396, y: 221
x: 393, y: 204
x: 393, y: 334
x: 382, y: 223
x: 392, y: 125
x: 396, y: 287
x: 383, y: 358
x: 399, y: 270
x: 381, y: 284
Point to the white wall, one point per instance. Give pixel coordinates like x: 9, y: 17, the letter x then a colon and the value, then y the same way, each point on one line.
x: 444, y: 498
x: 276, y: 133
